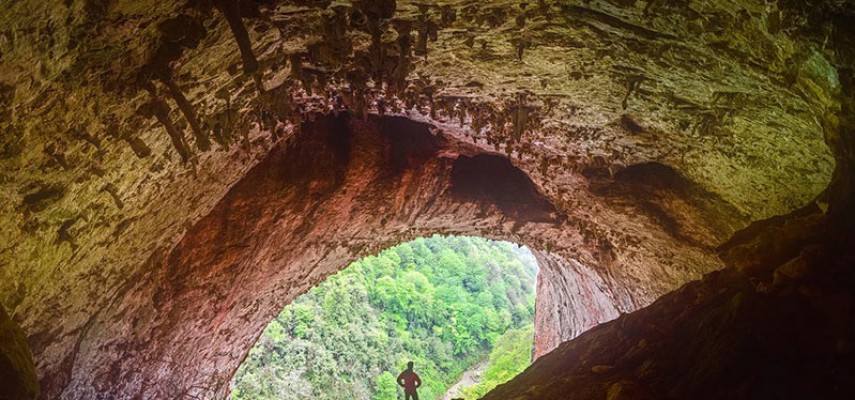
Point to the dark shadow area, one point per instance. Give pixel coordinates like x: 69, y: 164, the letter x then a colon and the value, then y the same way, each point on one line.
x: 494, y: 178
x: 17, y: 373
x: 409, y: 143
x: 734, y: 341
x: 677, y: 203
x: 322, y: 146
x: 766, y: 244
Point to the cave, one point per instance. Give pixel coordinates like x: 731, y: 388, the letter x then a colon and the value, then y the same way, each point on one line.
x: 175, y: 172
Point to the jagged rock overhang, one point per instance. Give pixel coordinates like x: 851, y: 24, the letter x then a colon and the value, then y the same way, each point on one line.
x: 339, y: 189
x: 93, y: 170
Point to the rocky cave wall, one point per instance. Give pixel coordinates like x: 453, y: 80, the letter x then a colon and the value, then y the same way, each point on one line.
x: 777, y: 322
x: 338, y: 190
x: 136, y: 135
x: 571, y: 298
x: 17, y: 371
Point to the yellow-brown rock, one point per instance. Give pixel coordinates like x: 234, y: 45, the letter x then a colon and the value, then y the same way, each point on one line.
x: 175, y: 171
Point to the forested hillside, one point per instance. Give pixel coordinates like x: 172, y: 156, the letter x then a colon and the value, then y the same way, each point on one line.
x: 441, y: 302
x: 510, y: 355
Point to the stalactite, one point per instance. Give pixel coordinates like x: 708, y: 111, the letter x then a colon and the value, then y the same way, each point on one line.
x: 231, y: 12
x: 114, y: 194
x: 158, y: 109
x: 404, y: 47
x: 632, y: 86
x: 138, y: 146
x: 202, y: 140
x: 520, y: 116
x: 423, y: 22
x: 222, y: 123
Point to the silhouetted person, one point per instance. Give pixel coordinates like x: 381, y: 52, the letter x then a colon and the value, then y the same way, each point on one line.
x: 410, y: 381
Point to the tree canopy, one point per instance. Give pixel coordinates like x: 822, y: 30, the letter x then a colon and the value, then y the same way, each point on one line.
x: 441, y: 302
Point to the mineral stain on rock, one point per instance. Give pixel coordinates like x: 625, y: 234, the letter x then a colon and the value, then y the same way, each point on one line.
x: 42, y: 197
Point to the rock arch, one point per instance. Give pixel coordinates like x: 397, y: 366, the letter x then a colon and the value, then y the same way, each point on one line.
x: 654, y: 129
x: 339, y: 189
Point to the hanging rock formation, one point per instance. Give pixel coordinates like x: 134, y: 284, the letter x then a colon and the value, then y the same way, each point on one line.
x: 175, y: 171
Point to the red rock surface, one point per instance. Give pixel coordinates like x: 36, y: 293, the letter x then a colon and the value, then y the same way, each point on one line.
x: 730, y: 335
x: 338, y: 190
x: 571, y: 298
x: 161, y: 200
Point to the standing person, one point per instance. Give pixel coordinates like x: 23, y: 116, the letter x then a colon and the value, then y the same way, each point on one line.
x: 410, y: 381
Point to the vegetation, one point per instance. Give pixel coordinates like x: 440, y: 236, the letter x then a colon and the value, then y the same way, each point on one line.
x: 510, y: 356
x: 441, y: 302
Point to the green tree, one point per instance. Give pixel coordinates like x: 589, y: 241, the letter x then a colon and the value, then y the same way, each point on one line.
x: 510, y: 356
x: 442, y: 302
x: 386, y: 388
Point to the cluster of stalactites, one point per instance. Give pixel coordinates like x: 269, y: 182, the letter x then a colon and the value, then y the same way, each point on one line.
x: 335, y: 74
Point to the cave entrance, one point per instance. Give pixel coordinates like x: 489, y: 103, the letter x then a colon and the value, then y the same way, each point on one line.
x: 461, y: 308
x: 337, y: 190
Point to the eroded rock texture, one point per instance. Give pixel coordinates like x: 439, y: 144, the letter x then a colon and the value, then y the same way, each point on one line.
x: 571, y: 298
x: 339, y: 189
x: 778, y: 322
x: 176, y: 171
x: 782, y: 330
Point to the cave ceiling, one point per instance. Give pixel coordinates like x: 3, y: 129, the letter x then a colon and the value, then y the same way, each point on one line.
x: 654, y: 126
